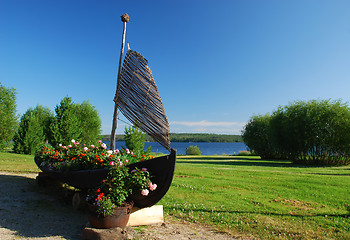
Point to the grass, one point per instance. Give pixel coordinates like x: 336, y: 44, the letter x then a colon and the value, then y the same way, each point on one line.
x: 250, y: 197
x: 263, y: 199
x: 17, y: 162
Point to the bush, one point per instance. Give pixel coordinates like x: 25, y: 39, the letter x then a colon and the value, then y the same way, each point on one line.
x: 256, y: 135
x: 193, y: 150
x: 246, y: 153
x: 313, y: 132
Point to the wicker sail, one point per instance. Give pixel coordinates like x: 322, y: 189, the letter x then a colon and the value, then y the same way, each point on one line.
x: 138, y: 98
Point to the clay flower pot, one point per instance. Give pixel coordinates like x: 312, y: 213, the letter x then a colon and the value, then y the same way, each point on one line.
x: 120, y: 217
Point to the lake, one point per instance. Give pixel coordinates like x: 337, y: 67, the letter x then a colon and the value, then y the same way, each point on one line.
x: 213, y: 148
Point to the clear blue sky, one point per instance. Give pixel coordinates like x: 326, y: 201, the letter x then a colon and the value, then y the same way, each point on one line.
x: 216, y: 63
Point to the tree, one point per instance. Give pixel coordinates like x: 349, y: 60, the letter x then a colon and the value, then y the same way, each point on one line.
x: 8, y: 118
x: 135, y: 140
x: 33, y: 130
x: 89, y: 122
x: 65, y: 126
x: 317, y: 131
x: 256, y: 135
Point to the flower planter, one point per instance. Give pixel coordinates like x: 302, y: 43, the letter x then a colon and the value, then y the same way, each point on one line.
x: 120, y: 217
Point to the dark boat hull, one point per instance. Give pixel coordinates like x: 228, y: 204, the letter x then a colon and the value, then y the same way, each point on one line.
x: 161, y: 170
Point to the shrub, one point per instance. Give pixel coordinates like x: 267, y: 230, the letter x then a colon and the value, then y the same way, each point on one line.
x: 316, y: 132
x: 193, y: 150
x: 245, y: 153
x: 256, y: 135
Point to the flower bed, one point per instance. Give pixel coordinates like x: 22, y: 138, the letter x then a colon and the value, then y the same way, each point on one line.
x: 78, y: 156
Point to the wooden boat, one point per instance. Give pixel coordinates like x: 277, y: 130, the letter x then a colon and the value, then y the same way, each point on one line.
x: 137, y: 97
x: 161, y: 170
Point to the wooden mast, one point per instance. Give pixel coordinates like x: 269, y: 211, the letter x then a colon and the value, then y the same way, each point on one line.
x: 125, y: 19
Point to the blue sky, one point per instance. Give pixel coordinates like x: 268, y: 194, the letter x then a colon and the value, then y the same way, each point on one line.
x: 216, y: 63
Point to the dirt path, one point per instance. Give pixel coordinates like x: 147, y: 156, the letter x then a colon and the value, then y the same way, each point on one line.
x: 28, y: 211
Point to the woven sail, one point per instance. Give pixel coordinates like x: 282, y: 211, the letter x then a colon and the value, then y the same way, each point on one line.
x: 138, y: 98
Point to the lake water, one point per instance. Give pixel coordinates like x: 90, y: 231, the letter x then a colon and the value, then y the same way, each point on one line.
x: 214, y: 148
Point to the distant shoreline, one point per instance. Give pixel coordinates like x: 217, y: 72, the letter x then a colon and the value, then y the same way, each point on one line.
x: 188, y: 137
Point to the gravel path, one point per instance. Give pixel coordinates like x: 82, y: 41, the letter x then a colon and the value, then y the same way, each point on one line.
x: 28, y: 211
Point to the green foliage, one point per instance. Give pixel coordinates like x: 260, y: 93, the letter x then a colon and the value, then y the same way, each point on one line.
x: 256, y: 135
x: 33, y: 130
x: 89, y: 122
x: 188, y: 137
x: 193, y: 150
x: 66, y: 125
x: 246, y: 153
x: 135, y: 140
x: 204, y: 137
x: 119, y: 185
x: 313, y: 132
x: 8, y: 118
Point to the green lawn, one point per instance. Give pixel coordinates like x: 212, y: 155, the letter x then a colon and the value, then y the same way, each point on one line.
x: 250, y: 197
x: 263, y: 199
x: 17, y: 162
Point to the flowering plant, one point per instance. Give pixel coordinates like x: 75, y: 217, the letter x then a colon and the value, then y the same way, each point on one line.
x: 78, y: 156
x: 120, y: 182
x: 117, y: 187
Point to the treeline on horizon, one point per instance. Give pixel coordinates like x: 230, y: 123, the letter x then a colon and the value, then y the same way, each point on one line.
x: 188, y: 137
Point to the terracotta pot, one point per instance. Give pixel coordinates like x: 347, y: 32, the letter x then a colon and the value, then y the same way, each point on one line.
x: 120, y: 217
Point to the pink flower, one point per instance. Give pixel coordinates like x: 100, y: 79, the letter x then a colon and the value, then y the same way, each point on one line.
x: 133, y: 171
x: 92, y: 146
x: 127, y: 150
x: 153, y: 187
x: 126, y: 160
x: 144, y: 192
x: 103, y: 145
x: 64, y: 147
x: 69, y: 146
x: 85, y: 149
x: 120, y: 163
x: 60, y: 144
x: 73, y: 141
x: 112, y: 163
x: 116, y: 151
x: 144, y: 169
x: 100, y: 141
x: 132, y: 153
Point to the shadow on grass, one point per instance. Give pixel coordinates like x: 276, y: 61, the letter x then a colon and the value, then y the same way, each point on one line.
x: 264, y: 213
x: 237, y: 161
x: 31, y: 211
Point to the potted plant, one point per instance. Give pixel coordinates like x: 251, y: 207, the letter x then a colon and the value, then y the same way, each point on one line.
x: 109, y: 205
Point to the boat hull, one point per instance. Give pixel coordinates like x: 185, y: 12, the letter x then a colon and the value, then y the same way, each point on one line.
x: 161, y: 170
